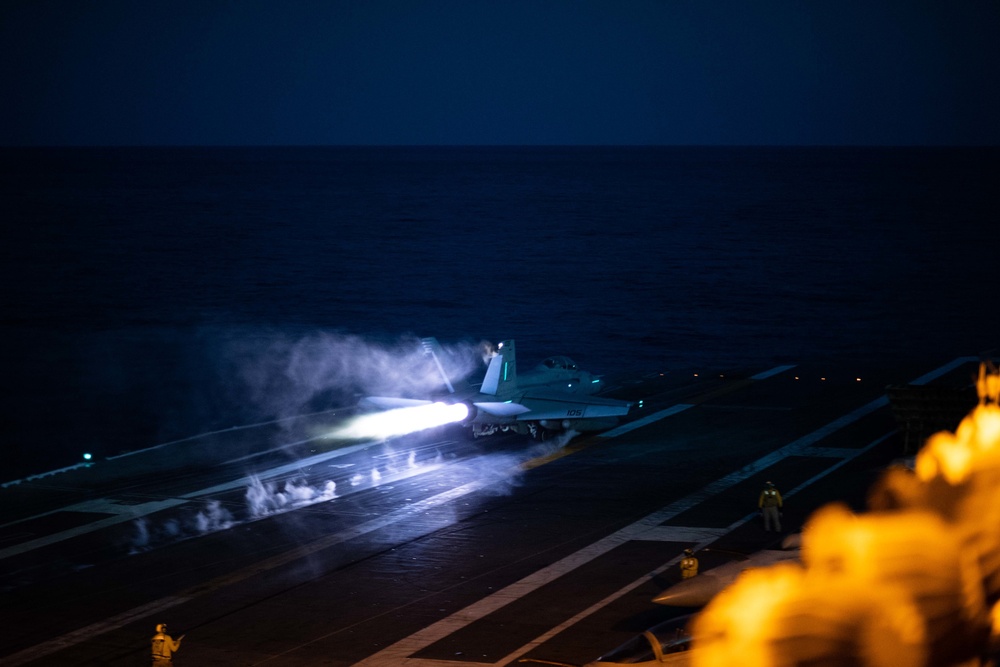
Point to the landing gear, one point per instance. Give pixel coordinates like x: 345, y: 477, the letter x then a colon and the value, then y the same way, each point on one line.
x: 540, y: 434
x: 521, y: 428
x: 481, y: 430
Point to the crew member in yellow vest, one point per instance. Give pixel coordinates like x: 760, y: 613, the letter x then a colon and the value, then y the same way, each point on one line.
x: 769, y: 504
x: 164, y: 646
x: 689, y: 565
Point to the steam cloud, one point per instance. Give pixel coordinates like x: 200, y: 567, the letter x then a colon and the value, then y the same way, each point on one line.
x: 268, y: 498
x: 211, y: 518
x: 262, y: 499
x: 285, y: 377
x: 500, y: 471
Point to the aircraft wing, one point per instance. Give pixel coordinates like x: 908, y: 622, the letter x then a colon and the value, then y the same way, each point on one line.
x: 561, y: 406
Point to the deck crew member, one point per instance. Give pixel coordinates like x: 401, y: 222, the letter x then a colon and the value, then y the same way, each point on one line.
x: 769, y: 504
x: 164, y: 646
x: 689, y: 565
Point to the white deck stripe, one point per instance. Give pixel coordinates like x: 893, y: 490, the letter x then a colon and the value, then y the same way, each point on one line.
x: 831, y: 452
x: 681, y: 534
x: 772, y: 372
x: 114, y: 519
x: 645, y: 421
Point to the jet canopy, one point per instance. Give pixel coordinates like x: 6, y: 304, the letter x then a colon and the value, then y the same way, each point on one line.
x: 560, y: 363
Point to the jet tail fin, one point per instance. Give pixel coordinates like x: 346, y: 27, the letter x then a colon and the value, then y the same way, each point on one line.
x: 501, y: 376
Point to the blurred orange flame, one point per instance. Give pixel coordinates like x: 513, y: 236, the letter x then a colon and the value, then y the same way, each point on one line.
x: 916, y: 582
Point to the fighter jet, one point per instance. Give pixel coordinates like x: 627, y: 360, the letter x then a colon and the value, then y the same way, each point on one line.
x: 701, y: 588
x: 556, y: 396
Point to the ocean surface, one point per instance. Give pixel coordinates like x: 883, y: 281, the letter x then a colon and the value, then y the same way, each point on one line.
x: 156, y: 293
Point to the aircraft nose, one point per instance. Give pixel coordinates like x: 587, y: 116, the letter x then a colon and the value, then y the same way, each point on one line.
x: 694, y: 592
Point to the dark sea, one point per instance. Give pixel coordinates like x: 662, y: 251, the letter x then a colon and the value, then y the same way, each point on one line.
x: 156, y: 293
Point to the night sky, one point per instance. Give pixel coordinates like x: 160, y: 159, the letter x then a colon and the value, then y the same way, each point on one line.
x: 332, y: 72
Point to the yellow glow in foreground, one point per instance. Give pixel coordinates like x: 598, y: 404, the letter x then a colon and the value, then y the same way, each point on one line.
x: 915, y: 551
x: 954, y: 456
x: 381, y: 425
x: 730, y: 630
x: 916, y: 584
x: 785, y: 616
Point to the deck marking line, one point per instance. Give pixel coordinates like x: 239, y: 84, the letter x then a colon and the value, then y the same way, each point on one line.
x: 830, y: 452
x: 639, y: 423
x: 680, y: 534
x: 774, y: 371
x: 113, y: 520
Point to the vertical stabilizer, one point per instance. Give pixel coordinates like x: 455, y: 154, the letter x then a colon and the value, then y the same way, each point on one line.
x: 501, y: 376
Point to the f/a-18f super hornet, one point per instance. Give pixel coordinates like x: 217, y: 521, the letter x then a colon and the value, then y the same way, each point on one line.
x: 556, y: 396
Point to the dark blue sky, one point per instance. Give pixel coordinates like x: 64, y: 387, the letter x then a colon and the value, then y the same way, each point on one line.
x: 260, y: 72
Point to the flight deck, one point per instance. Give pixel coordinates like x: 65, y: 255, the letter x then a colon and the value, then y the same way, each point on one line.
x: 272, y: 544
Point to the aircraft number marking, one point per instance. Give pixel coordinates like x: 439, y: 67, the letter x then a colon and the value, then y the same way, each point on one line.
x: 574, y: 413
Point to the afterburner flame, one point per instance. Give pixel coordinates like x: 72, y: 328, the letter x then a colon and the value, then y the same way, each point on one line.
x: 381, y: 425
x: 913, y: 583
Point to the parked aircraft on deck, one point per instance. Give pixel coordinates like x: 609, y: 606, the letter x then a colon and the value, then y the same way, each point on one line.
x: 555, y: 396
